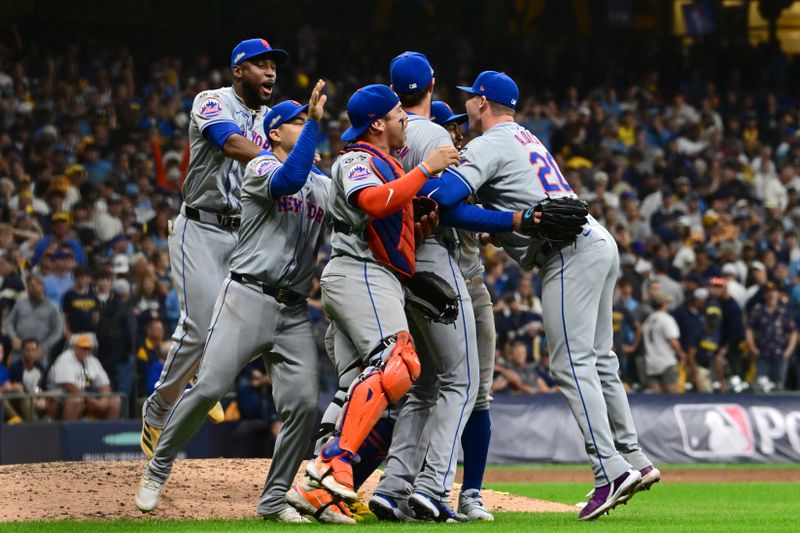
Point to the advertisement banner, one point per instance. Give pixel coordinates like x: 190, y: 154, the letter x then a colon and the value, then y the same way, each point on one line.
x: 672, y: 428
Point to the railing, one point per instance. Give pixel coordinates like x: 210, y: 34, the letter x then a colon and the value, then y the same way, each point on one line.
x: 48, y: 405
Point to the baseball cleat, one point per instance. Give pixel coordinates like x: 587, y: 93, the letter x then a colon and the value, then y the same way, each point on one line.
x: 359, y: 509
x: 650, y: 476
x: 606, y: 497
x: 288, y: 515
x: 146, y: 498
x: 310, y: 498
x: 390, y: 509
x: 217, y: 414
x: 470, y: 504
x: 149, y: 439
x: 427, y: 508
x: 333, y: 470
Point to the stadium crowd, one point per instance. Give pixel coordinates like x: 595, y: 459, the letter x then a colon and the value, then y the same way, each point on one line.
x: 698, y: 182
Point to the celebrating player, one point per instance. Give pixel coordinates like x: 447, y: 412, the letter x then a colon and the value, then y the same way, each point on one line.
x: 225, y: 132
x: 373, y: 249
x: 421, y: 465
x: 507, y: 167
x: 261, y: 309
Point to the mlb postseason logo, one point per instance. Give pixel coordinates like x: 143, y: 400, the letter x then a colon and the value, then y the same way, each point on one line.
x: 715, y: 431
x: 358, y: 172
x: 210, y: 107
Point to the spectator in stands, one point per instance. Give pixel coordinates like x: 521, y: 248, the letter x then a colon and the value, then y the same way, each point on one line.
x: 108, y: 222
x: 662, y: 347
x: 116, y: 333
x: 80, y: 306
x: 28, y: 376
x: 706, y: 357
x: 60, y: 236
x: 11, y: 287
x: 732, y: 328
x: 771, y: 338
x: 627, y: 331
x: 689, y: 317
x: 77, y: 371
x: 521, y: 376
x: 35, y: 317
x: 254, y: 395
x: 514, y: 324
x: 150, y: 358
x: 60, y: 279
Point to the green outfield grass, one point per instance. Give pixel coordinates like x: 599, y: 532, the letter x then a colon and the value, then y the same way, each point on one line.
x: 745, y: 507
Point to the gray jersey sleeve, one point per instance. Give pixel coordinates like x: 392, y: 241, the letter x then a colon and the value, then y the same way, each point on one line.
x: 213, y: 107
x: 258, y: 175
x: 356, y: 174
x: 480, y: 162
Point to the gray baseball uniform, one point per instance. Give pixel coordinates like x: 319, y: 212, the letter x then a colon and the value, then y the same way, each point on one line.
x: 352, y: 275
x: 441, y: 400
x: 200, y: 250
x: 261, y: 310
x: 508, y: 168
x: 471, y: 266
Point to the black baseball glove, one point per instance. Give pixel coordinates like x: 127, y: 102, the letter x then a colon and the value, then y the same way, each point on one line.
x: 432, y: 297
x: 561, y: 222
x: 426, y: 217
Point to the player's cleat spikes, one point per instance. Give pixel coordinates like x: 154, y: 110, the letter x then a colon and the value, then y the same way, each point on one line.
x: 604, y: 498
x: 310, y: 498
x: 148, y: 494
x: 650, y: 476
x: 149, y: 439
x: 470, y: 504
x: 217, y: 414
x: 333, y: 469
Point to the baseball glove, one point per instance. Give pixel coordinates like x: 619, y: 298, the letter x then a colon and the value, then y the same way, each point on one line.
x: 426, y: 217
x: 432, y: 297
x: 561, y: 222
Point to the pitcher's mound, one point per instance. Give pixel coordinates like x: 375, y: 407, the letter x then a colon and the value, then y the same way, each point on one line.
x: 197, y: 489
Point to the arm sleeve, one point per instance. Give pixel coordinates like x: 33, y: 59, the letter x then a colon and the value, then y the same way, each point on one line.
x: 448, y: 190
x: 382, y: 200
x: 293, y: 174
x: 219, y: 132
x: 12, y: 320
x: 474, y: 218
x: 56, y: 329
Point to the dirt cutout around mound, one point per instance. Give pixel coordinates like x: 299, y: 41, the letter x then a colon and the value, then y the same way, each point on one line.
x: 198, y: 489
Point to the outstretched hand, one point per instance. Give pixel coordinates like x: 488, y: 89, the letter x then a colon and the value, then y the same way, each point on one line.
x: 316, y: 104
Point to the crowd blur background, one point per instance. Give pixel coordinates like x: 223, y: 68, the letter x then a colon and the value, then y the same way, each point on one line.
x: 676, y: 120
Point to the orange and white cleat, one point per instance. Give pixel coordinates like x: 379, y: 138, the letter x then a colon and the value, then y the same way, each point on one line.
x: 310, y: 498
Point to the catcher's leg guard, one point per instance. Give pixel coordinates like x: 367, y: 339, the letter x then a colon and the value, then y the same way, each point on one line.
x: 370, y: 395
x: 373, y: 394
x: 373, y: 451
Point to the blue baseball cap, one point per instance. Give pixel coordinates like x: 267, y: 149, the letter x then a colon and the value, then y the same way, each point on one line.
x: 367, y: 105
x: 256, y: 47
x: 283, y: 112
x: 495, y: 86
x: 410, y: 72
x: 442, y: 114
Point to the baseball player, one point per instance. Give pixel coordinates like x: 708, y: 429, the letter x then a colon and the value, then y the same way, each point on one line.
x: 261, y: 309
x: 508, y: 168
x: 478, y: 431
x: 225, y: 132
x: 373, y: 250
x: 422, y: 460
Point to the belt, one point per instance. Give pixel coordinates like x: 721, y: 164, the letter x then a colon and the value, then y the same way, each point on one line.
x: 284, y: 296
x: 344, y: 228
x: 207, y: 217
x: 474, y: 282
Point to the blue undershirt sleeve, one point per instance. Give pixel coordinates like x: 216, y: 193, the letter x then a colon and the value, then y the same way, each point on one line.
x: 219, y: 132
x: 291, y: 177
x: 474, y: 218
x: 447, y: 190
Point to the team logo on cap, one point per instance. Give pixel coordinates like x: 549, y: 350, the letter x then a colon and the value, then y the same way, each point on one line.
x: 358, y: 172
x: 265, y: 165
x: 264, y: 43
x: 210, y: 107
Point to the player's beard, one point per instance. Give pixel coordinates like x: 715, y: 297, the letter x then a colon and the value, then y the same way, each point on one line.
x: 252, y: 93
